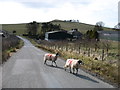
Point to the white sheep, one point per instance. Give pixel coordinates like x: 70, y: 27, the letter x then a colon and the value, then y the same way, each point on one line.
x: 51, y: 57
x: 73, y: 64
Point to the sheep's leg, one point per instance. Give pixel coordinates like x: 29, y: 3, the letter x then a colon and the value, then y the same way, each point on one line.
x: 70, y: 70
x: 52, y: 63
x: 55, y: 63
x: 73, y: 70
x: 65, y: 67
x: 45, y: 61
x: 76, y: 70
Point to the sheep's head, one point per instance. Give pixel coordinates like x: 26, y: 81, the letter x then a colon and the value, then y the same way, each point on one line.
x: 80, y: 62
x: 57, y: 54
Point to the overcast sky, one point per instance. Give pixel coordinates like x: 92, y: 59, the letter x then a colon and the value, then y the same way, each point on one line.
x: 86, y: 11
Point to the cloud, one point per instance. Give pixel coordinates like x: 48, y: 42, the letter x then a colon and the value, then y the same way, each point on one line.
x: 86, y: 11
x: 16, y: 13
x: 37, y: 5
x: 119, y: 12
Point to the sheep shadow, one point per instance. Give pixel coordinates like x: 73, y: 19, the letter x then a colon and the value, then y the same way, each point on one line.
x: 52, y: 66
x: 85, y: 77
x: 77, y: 75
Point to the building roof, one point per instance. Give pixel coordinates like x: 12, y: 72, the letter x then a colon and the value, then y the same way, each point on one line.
x: 109, y: 32
x: 75, y: 33
x: 56, y: 31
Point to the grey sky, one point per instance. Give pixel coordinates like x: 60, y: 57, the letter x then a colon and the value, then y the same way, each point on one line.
x: 119, y: 12
x: 86, y: 11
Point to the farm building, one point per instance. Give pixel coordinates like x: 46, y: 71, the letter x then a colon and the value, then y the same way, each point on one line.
x: 109, y: 35
x: 76, y: 34
x: 57, y: 35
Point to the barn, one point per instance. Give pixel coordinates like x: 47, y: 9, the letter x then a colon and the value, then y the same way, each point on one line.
x: 57, y: 35
x: 76, y: 34
x: 109, y: 35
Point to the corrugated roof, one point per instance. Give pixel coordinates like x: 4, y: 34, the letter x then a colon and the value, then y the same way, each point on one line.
x: 109, y: 32
x: 56, y: 31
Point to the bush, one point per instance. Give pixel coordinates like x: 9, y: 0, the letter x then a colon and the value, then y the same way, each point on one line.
x: 9, y: 44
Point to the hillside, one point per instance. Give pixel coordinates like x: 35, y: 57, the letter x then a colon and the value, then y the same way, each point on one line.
x: 82, y: 27
x: 20, y: 28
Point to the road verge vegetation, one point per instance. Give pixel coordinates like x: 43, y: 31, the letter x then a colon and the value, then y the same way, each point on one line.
x: 10, y: 45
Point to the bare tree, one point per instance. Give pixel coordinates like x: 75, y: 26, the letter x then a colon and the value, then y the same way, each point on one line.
x: 99, y: 26
x: 117, y: 26
x: 107, y: 47
x: 100, y: 23
x: 102, y: 54
x: 104, y: 46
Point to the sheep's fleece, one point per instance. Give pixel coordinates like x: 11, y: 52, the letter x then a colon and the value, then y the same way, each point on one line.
x: 73, y: 64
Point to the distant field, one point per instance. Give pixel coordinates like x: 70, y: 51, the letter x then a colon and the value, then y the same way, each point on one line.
x: 19, y: 28
x: 82, y: 27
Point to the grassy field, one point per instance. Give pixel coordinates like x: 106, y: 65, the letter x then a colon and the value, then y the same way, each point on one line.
x: 82, y: 27
x: 21, y: 28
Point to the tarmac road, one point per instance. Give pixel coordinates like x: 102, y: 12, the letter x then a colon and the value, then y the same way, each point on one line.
x: 26, y: 69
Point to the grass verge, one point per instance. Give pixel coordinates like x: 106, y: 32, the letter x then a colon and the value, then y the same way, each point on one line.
x: 8, y: 53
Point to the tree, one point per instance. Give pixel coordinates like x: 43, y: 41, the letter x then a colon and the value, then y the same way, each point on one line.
x: 107, y: 46
x: 88, y: 34
x: 46, y: 27
x: 117, y: 27
x: 32, y: 28
x: 92, y: 34
x: 95, y: 35
x: 99, y: 26
x: 100, y: 23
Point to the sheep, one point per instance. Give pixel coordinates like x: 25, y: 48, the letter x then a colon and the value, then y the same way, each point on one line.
x: 51, y: 57
x: 73, y: 64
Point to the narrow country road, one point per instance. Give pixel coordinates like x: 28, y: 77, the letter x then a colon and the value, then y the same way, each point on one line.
x: 25, y: 69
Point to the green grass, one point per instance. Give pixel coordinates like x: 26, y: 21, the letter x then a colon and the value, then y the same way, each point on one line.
x: 82, y: 27
x: 21, y: 28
